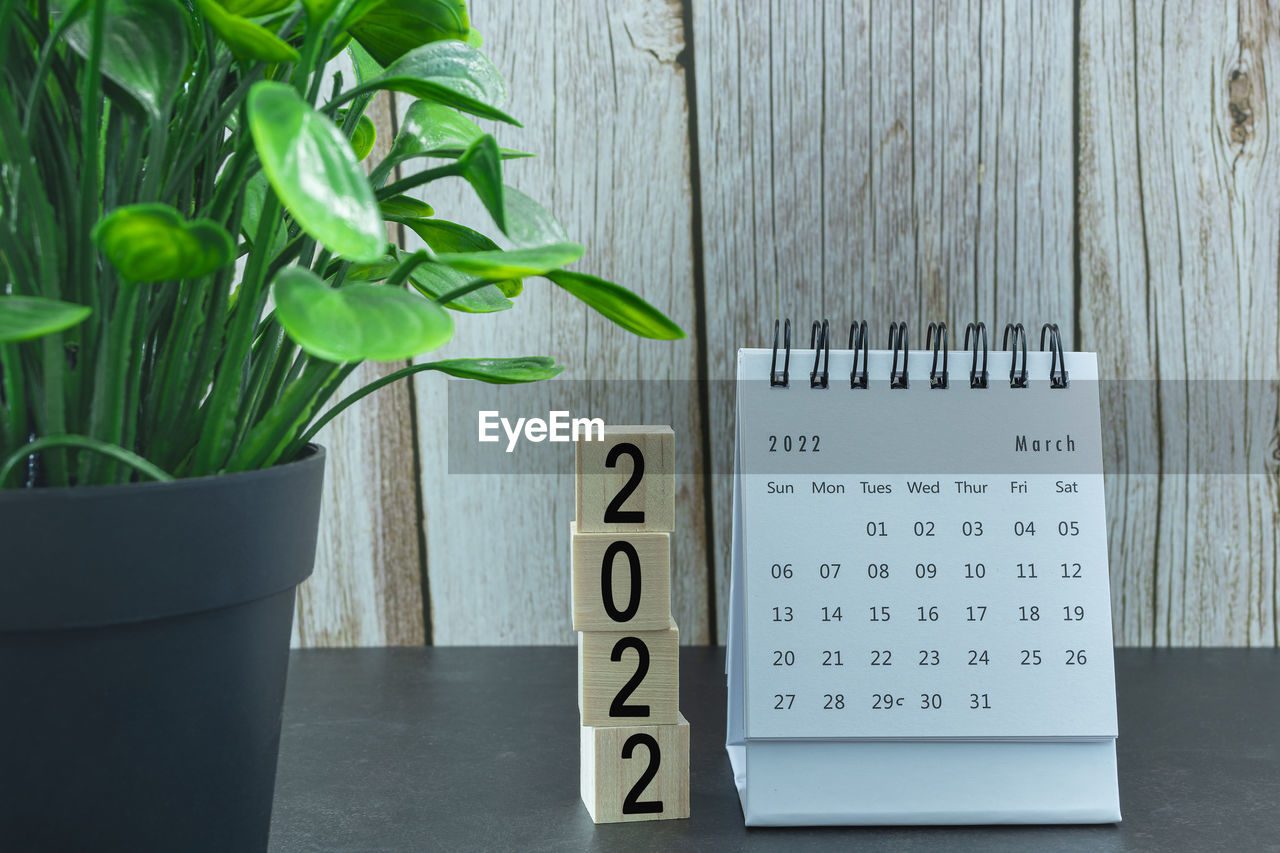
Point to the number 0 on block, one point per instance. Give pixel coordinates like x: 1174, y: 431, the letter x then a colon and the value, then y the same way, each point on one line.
x: 627, y: 481
x: 621, y: 581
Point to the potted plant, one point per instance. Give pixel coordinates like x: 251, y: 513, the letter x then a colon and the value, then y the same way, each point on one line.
x: 192, y: 258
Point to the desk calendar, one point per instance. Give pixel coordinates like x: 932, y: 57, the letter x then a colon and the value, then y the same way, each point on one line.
x: 920, y: 627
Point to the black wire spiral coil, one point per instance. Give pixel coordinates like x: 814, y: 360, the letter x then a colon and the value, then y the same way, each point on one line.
x: 1013, y: 339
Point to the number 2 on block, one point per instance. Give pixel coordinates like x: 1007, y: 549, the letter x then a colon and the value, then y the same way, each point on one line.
x: 632, y: 804
x: 614, y: 513
x: 618, y: 707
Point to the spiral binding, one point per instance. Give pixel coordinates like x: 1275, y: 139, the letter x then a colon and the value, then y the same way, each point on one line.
x: 1014, y: 339
x: 898, y: 338
x: 1016, y: 379
x: 935, y: 339
x: 777, y: 379
x: 977, y: 378
x: 858, y: 340
x: 1057, y: 361
x: 820, y: 343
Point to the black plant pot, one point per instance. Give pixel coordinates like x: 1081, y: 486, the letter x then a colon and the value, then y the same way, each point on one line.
x: 144, y: 641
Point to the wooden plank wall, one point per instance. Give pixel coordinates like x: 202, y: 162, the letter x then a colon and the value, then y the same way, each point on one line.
x: 1107, y: 165
x: 880, y: 162
x: 1179, y: 189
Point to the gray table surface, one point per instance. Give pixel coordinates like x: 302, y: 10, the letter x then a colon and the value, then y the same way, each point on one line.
x: 477, y: 749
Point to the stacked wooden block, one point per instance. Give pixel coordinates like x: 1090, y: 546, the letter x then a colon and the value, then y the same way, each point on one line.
x: 635, y: 743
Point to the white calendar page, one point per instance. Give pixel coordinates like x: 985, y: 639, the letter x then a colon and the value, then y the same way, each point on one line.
x: 923, y: 563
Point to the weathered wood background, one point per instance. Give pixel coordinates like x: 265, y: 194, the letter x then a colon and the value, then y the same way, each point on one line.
x: 1109, y: 165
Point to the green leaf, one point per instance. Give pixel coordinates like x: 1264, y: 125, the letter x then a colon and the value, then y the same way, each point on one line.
x: 25, y: 317
x: 619, y: 305
x: 363, y: 137
x: 315, y: 173
x: 144, y: 48
x: 442, y: 236
x: 246, y: 39
x: 366, y: 66
x: 151, y: 242
x: 445, y: 236
x: 450, y: 73
x: 405, y: 206
x: 501, y: 371
x: 376, y: 271
x: 434, y: 280
x: 395, y: 27
x: 434, y: 130
x: 474, y: 38
x: 319, y: 10
x: 529, y: 223
x: 357, y: 322
x: 482, y: 168
x: 254, y: 8
x: 338, y: 46
x: 515, y: 263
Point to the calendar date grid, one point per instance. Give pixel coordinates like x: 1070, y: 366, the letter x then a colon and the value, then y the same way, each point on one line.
x: 914, y: 609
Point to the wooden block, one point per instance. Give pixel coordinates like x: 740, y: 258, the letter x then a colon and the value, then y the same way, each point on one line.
x: 629, y: 677
x: 621, y: 581
x: 627, y: 482
x: 636, y: 772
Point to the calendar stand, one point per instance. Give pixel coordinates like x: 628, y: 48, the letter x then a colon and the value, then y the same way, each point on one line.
x: 634, y: 741
x: 919, y: 615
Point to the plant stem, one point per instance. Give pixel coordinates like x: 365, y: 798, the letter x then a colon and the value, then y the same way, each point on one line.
x: 231, y: 185
x: 267, y: 441
x: 262, y: 368
x: 106, y: 419
x: 53, y: 358
x: 91, y: 113
x: 11, y: 390
x: 217, y: 126
x: 354, y: 92
x: 275, y: 382
x: 47, y: 53
x: 220, y: 426
x: 406, y: 267
x: 53, y: 361
x: 157, y: 131
x: 380, y: 172
x: 188, y: 312
x: 356, y: 396
x: 405, y: 184
x: 85, y: 442
x: 459, y: 292
x: 321, y: 262
x: 133, y: 380
x: 192, y: 380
